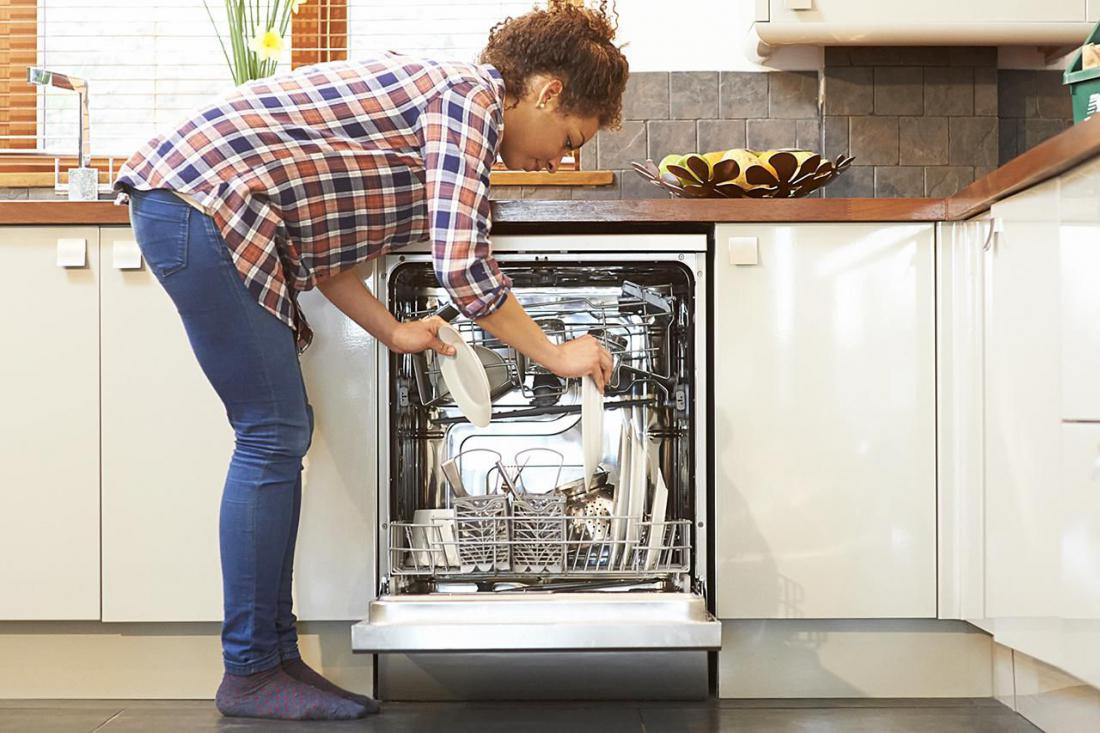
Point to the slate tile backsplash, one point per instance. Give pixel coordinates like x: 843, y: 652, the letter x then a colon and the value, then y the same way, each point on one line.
x: 921, y: 121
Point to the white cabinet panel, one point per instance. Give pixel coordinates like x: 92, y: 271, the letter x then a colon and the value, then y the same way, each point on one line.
x: 852, y: 12
x: 1022, y: 405
x: 335, y: 565
x: 166, y: 448
x: 1079, y: 196
x: 1079, y: 539
x: 49, y: 526
x: 959, y: 465
x: 824, y: 433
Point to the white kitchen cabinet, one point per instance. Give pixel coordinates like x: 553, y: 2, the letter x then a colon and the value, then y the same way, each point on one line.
x: 1079, y: 539
x: 1079, y: 220
x: 49, y: 526
x: 824, y: 421
x: 1023, y: 502
x: 166, y: 448
x: 982, y: 22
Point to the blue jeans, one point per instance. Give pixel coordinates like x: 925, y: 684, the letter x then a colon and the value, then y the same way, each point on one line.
x: 251, y: 360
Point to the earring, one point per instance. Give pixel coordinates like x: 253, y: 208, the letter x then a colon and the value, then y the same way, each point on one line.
x: 541, y: 105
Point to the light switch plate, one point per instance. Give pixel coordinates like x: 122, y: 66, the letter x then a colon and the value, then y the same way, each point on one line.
x: 72, y: 252
x: 800, y: 4
x: 125, y: 255
x: 744, y: 251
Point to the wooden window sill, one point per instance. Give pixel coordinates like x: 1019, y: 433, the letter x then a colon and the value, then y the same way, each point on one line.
x: 561, y: 178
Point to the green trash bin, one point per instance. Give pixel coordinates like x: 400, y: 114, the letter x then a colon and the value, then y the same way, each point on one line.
x: 1084, y: 84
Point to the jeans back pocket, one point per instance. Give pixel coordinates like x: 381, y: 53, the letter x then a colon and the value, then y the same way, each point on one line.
x: 161, y: 222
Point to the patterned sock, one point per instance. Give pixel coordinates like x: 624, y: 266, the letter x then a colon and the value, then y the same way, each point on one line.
x: 275, y: 694
x: 302, y: 672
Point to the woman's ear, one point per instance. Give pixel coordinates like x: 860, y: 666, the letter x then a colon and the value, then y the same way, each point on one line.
x: 549, y: 92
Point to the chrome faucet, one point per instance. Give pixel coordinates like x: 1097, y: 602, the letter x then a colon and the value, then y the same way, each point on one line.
x: 83, y: 180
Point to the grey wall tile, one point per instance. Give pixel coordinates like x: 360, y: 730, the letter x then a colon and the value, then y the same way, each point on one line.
x: 1008, y: 146
x: 717, y: 135
x: 899, y: 181
x: 792, y: 94
x: 946, y: 180
x: 1053, y: 96
x: 618, y: 148
x: 899, y: 90
x: 646, y: 96
x: 856, y: 182
x: 923, y: 140
x: 838, y: 56
x: 973, y: 56
x: 1017, y: 93
x: 973, y: 141
x: 836, y: 137
x: 949, y: 91
x: 636, y: 187
x: 808, y: 134
x: 983, y: 171
x: 14, y: 194
x: 1033, y: 131
x: 985, y: 91
x: 671, y: 136
x: 770, y: 134
x: 849, y: 90
x: 590, y: 154
x: 693, y: 94
x: 743, y: 94
x: 602, y: 193
x: 874, y: 140
x: 548, y: 193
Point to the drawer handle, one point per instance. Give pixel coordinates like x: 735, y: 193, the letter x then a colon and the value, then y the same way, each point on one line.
x: 72, y: 253
x: 125, y: 255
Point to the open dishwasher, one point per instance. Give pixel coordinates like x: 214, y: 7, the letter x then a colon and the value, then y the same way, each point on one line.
x: 497, y: 540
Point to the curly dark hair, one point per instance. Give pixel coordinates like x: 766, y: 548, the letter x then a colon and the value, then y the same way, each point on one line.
x: 572, y: 42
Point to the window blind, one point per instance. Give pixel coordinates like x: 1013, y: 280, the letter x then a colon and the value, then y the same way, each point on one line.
x: 150, y: 63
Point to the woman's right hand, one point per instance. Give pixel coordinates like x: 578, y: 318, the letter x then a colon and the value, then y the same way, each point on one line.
x: 582, y: 357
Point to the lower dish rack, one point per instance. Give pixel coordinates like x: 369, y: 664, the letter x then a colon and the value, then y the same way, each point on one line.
x: 531, y: 535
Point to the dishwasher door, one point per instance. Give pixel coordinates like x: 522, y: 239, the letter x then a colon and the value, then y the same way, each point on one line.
x: 533, y: 621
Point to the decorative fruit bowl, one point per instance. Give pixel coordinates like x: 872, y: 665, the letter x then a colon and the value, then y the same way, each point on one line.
x: 741, y: 173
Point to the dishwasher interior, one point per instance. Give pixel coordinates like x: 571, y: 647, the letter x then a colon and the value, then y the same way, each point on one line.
x: 506, y: 508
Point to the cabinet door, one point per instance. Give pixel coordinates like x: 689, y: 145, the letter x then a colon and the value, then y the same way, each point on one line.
x: 1079, y: 199
x: 824, y: 432
x: 49, y: 526
x: 858, y: 12
x: 1080, y: 538
x: 167, y: 446
x: 1023, y: 500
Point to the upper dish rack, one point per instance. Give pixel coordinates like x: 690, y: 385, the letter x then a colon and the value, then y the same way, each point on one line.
x: 635, y: 326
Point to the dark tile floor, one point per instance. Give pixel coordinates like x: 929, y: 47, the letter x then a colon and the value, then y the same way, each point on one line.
x: 726, y: 716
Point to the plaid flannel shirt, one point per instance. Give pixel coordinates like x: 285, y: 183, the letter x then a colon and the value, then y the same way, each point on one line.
x: 308, y: 173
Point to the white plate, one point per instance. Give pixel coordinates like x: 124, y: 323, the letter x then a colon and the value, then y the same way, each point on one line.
x: 639, y: 460
x: 465, y: 377
x: 622, y: 487
x: 657, y: 518
x: 591, y: 427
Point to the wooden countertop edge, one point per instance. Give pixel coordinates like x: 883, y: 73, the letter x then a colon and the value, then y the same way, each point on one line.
x: 1056, y: 155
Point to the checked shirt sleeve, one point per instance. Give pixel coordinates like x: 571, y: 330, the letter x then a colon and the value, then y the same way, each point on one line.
x: 460, y: 134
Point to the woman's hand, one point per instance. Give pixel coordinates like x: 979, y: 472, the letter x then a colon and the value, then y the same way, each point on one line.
x: 581, y: 357
x: 413, y: 337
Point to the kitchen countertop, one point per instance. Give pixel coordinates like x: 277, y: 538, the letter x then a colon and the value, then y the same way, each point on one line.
x: 1051, y: 157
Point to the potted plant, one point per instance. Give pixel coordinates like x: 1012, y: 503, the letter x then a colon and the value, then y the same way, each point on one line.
x: 257, y: 35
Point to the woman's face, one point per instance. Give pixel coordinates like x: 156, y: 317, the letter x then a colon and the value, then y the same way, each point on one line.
x: 536, y: 134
